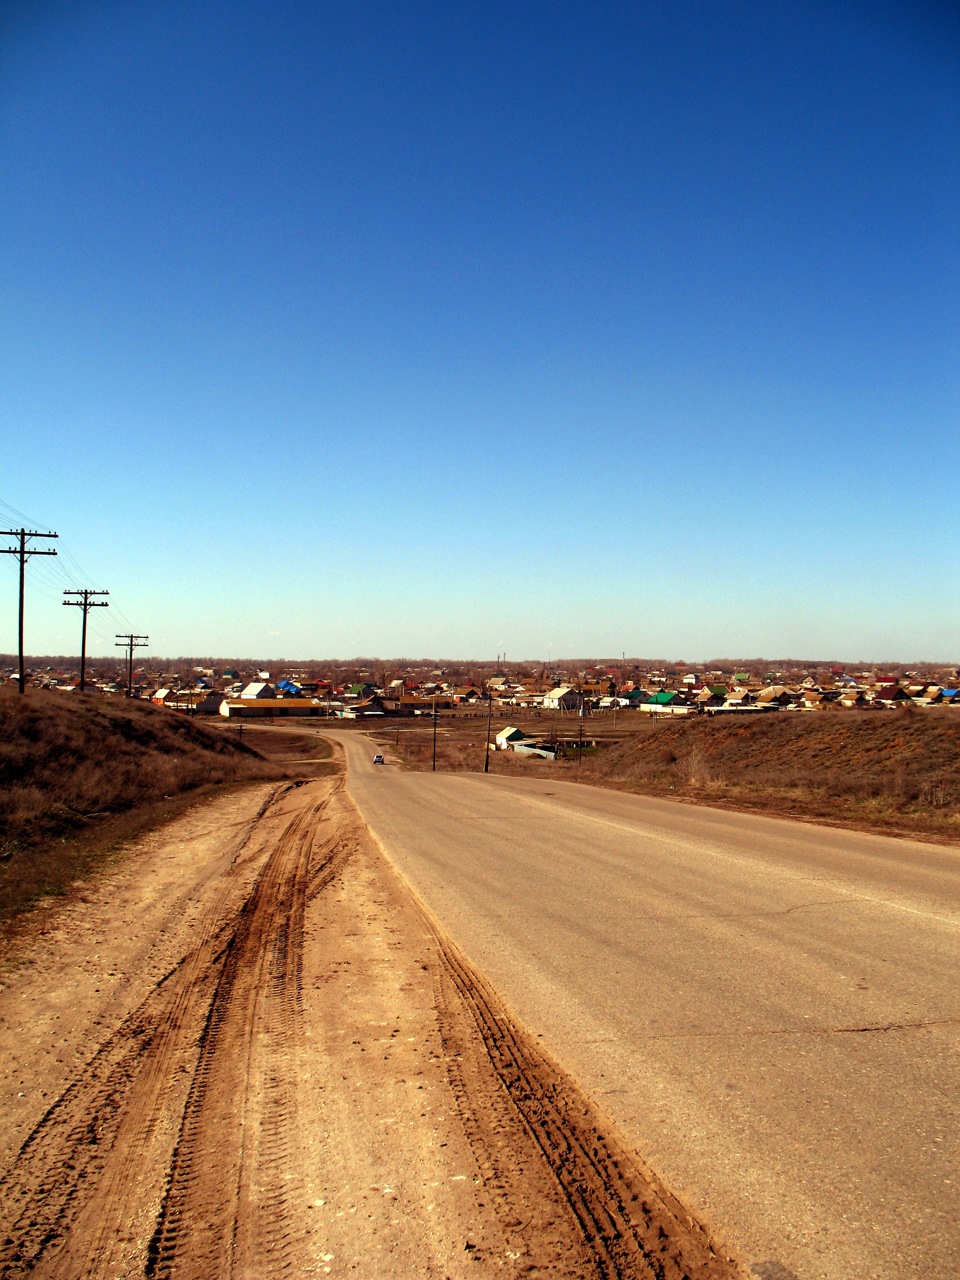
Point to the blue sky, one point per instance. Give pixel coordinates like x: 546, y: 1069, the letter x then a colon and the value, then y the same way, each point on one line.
x: 455, y: 328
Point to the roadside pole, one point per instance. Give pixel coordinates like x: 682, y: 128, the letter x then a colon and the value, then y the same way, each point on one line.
x: 23, y: 554
x: 486, y: 758
x: 131, y: 641
x: 434, y: 735
x: 86, y: 603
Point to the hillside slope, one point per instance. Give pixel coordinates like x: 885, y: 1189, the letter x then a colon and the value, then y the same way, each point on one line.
x: 896, y: 771
x: 68, y: 762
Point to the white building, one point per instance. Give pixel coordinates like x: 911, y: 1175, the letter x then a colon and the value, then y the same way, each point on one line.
x: 258, y: 689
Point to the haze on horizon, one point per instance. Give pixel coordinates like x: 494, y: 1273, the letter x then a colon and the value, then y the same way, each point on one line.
x: 430, y: 329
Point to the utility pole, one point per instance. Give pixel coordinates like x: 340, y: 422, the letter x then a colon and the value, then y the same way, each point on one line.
x: 131, y: 642
x: 486, y: 758
x: 434, y: 735
x: 24, y: 555
x: 86, y: 604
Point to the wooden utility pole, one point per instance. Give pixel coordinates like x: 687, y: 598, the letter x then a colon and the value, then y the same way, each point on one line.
x: 24, y: 555
x: 131, y: 642
x: 486, y: 758
x: 86, y: 604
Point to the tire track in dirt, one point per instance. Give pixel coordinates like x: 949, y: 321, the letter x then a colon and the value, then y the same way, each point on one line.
x: 114, y: 1106
x: 631, y: 1225
x: 236, y: 1170
x: 77, y: 1200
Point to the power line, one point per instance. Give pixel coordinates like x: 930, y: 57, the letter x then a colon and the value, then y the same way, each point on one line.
x: 86, y: 604
x: 23, y: 535
x: 45, y: 587
x: 123, y: 617
x: 77, y: 566
x: 57, y: 575
x: 101, y: 634
x: 8, y: 511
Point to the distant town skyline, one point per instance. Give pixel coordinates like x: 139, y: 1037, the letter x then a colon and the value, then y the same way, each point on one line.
x: 546, y: 329
x: 374, y: 665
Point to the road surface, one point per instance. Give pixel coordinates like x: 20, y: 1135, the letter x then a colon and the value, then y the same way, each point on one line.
x: 241, y: 1051
x: 767, y: 1010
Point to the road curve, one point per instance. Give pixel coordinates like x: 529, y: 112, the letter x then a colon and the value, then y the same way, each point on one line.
x: 768, y: 1010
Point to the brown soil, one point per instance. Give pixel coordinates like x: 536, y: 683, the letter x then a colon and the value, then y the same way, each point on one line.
x: 246, y: 1052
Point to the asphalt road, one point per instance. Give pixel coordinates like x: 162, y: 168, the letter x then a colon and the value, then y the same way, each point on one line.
x: 768, y: 1010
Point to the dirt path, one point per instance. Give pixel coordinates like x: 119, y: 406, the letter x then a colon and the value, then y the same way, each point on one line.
x: 248, y: 1054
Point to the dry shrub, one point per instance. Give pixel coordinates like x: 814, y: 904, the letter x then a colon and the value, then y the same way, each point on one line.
x: 698, y: 771
x: 21, y: 801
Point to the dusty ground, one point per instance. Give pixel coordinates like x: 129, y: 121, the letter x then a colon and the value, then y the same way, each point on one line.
x: 246, y: 1053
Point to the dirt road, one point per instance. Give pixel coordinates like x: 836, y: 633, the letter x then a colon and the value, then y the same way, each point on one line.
x: 246, y: 1053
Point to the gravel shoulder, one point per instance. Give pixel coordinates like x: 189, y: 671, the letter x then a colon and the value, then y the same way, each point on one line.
x: 246, y: 1051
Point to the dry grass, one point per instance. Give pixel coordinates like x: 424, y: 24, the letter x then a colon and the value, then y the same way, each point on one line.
x: 290, y: 747
x: 79, y: 771
x: 890, y: 772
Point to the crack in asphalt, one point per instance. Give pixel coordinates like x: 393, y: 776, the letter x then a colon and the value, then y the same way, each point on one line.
x: 745, y: 915
x: 748, y: 1033
x: 896, y: 1026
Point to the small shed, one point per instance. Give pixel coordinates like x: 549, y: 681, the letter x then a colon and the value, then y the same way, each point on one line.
x: 545, y: 750
x: 562, y: 698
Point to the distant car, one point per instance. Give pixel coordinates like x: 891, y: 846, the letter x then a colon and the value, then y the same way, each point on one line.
x: 378, y: 759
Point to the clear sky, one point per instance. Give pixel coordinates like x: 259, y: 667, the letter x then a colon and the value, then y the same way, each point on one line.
x: 452, y: 328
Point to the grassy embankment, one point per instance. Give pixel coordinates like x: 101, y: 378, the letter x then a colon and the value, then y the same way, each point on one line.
x: 897, y: 773
x: 80, y: 774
